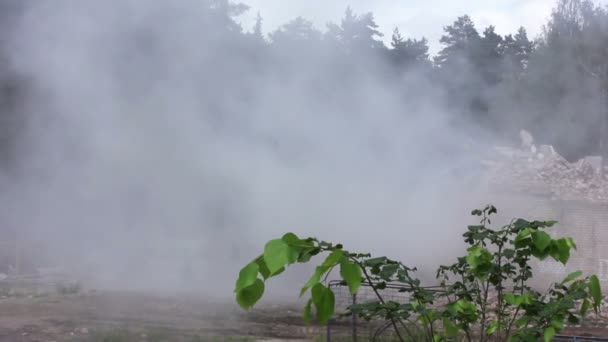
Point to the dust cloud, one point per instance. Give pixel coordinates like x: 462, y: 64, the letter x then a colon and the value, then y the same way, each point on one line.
x: 162, y: 152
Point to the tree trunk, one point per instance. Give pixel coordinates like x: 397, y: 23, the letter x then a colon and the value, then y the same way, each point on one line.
x: 604, y: 134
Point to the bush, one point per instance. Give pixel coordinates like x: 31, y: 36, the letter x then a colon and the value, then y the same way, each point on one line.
x: 485, y: 295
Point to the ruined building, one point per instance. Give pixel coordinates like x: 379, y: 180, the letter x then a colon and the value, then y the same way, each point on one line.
x: 538, y: 183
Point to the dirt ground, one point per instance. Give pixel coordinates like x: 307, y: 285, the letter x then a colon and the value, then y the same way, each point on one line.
x: 121, y: 317
x: 118, y: 317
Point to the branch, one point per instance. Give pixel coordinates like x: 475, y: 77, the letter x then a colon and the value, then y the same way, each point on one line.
x: 369, y: 280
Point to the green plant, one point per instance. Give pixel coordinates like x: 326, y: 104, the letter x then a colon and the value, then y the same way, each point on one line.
x: 488, y: 299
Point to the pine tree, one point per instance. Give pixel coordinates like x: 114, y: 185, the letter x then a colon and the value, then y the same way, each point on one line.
x: 356, y: 33
x: 460, y: 41
x: 257, y: 27
x: 407, y: 52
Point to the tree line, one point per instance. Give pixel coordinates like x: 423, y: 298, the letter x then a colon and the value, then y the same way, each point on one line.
x: 554, y: 85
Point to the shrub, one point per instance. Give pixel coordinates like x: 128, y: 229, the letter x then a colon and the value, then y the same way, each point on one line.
x: 485, y: 295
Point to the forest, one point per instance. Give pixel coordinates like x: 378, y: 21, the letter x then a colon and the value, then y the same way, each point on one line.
x: 554, y: 85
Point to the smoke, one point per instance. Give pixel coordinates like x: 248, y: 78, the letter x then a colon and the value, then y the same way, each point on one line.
x: 162, y: 150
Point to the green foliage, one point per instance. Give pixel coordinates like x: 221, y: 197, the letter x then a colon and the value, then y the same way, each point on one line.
x: 277, y: 254
x: 324, y: 301
x: 248, y: 296
x: 485, y: 295
x: 351, y: 273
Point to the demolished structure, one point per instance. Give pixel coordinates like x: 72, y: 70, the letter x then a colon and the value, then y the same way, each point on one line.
x: 542, y: 171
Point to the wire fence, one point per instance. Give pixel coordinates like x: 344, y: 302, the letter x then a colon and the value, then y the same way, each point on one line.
x: 349, y: 328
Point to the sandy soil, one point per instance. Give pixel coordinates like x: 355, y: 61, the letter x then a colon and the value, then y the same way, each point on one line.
x: 111, y: 316
x: 120, y: 317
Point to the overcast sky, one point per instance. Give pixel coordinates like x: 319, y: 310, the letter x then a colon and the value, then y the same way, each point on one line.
x: 413, y: 17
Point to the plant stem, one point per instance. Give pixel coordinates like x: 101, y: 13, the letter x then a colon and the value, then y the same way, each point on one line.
x: 371, y: 283
x: 508, y: 333
x: 521, y: 290
x: 484, y: 304
x: 499, y: 312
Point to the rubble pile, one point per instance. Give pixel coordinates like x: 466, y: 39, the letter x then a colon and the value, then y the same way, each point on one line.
x: 543, y: 171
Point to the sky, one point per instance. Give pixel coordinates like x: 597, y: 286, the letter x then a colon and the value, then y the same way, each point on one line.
x: 414, y: 19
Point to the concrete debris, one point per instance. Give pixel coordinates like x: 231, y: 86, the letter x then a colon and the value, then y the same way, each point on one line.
x: 547, y: 150
x: 526, y: 139
x: 542, y: 171
x: 596, y: 161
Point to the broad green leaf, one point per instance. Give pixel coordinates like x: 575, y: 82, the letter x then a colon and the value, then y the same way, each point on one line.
x: 281, y: 270
x: 248, y: 296
x: 526, y: 299
x: 585, y: 307
x: 307, y: 312
x: 375, y: 261
x: 513, y: 299
x: 542, y: 255
x: 541, y: 240
x: 570, y: 242
x: 560, y: 250
x: 549, y: 334
x: 480, y: 260
x: 549, y: 223
x: 314, y: 279
x: 388, y: 271
x: 508, y: 253
x: 305, y: 257
x: 247, y: 276
x: 451, y: 329
x: 520, y: 224
x: 351, y: 273
x: 263, y: 269
x: 522, y: 236
x: 291, y: 239
x: 324, y: 300
x: 278, y: 254
x: 306, y: 253
x: 333, y: 258
x: 492, y: 327
x: 464, y: 305
x: 572, y: 276
x: 596, y: 291
x: 557, y: 323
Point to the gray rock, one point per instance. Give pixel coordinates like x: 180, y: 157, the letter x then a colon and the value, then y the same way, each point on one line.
x: 526, y: 138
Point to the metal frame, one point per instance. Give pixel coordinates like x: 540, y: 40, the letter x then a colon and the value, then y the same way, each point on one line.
x: 354, y: 322
x: 379, y: 331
